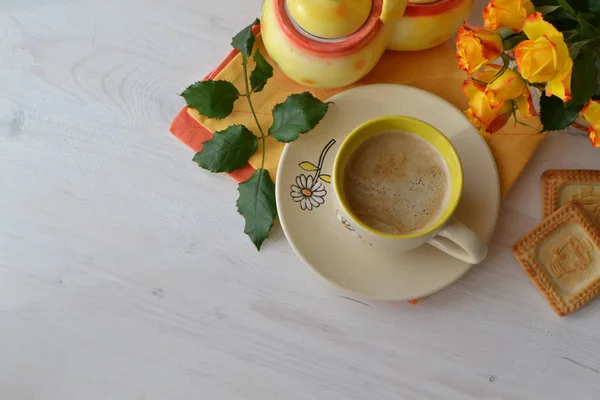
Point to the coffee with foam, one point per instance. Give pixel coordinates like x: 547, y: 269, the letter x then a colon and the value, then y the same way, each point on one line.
x: 396, y: 182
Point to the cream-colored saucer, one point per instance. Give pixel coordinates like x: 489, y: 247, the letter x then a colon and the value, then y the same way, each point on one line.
x: 329, y: 246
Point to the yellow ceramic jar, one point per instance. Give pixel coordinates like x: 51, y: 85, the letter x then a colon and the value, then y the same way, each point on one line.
x: 318, y: 62
x: 426, y: 24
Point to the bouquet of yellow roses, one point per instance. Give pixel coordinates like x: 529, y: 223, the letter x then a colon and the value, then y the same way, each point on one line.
x: 550, y: 46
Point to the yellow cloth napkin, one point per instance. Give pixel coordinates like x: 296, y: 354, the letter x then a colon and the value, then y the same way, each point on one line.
x: 434, y: 70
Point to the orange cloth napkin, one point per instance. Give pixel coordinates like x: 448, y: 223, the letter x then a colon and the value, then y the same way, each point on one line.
x: 434, y: 70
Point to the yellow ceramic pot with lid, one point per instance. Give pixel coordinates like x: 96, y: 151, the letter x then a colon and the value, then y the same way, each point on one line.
x: 333, y: 43
x: 328, y: 43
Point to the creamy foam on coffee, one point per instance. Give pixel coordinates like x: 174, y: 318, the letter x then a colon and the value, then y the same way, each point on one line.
x: 396, y: 182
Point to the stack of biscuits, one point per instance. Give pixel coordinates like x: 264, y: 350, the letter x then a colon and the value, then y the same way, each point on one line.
x: 561, y: 254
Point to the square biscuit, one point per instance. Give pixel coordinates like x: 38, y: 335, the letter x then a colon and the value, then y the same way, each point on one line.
x: 561, y: 255
x: 559, y: 186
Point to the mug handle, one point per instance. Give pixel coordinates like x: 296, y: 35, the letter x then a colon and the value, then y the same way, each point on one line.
x: 459, y: 241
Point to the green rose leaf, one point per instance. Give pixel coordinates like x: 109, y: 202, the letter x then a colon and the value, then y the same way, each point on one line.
x: 261, y: 73
x: 579, y: 5
x: 547, y: 9
x: 562, y: 20
x: 575, y: 48
x: 584, y: 77
x: 256, y: 204
x: 228, y: 150
x: 244, y: 40
x: 299, y: 113
x: 512, y: 41
x: 556, y: 115
x: 564, y: 4
x: 586, y: 29
x: 506, y: 33
x: 213, y: 99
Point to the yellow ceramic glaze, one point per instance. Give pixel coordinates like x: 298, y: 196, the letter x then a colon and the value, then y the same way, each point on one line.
x: 420, y: 32
x: 329, y: 18
x: 370, y: 28
x: 314, y: 69
x: 393, y: 10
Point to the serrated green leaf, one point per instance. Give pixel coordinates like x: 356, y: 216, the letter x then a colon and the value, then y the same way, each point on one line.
x: 261, y: 73
x: 213, y: 99
x: 579, y: 5
x: 564, y: 4
x: 256, y: 204
x: 586, y: 30
x: 228, y: 149
x: 540, y: 3
x: 512, y: 41
x: 569, y: 36
x: 584, y: 78
x: 546, y: 9
x: 562, y: 20
x: 308, y: 166
x: 506, y: 33
x: 299, y: 113
x: 244, y: 40
x: 556, y: 115
x: 575, y: 48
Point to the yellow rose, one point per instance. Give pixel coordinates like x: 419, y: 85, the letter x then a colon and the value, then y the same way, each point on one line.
x: 591, y: 113
x: 544, y: 58
x: 507, y: 14
x: 508, y: 86
x: 481, y: 112
x: 525, y: 104
x: 475, y: 47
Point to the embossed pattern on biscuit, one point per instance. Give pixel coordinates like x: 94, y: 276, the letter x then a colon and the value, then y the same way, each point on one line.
x: 561, y: 255
x: 561, y: 186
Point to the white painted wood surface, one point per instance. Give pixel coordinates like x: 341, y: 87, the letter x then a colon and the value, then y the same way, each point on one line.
x: 124, y: 273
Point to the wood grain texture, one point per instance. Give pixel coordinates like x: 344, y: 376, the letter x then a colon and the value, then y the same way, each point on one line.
x: 124, y: 273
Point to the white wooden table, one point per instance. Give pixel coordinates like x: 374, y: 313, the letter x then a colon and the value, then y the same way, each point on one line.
x: 124, y: 273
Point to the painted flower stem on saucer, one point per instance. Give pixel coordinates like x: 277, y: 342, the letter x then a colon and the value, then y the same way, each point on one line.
x: 309, y: 189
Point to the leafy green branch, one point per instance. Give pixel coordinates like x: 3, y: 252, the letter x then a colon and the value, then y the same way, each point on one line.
x: 232, y: 147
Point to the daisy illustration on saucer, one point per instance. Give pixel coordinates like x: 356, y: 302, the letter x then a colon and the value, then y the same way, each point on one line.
x: 309, y: 189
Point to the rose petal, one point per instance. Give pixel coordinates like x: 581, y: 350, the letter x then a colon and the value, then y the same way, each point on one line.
x: 535, y: 27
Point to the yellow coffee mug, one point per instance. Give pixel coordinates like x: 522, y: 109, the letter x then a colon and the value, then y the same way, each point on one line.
x: 446, y: 233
